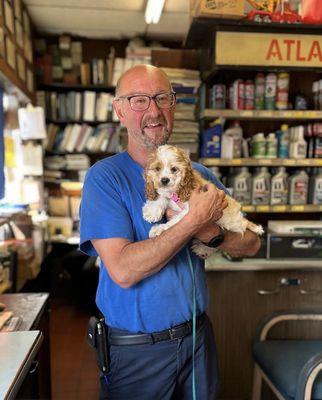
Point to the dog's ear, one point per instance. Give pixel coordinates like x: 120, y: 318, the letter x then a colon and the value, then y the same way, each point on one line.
x: 187, y: 184
x: 150, y: 191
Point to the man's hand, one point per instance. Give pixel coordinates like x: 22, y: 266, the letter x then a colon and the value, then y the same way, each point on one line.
x: 206, y: 206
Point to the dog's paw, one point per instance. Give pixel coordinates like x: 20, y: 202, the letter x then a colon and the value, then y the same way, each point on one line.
x: 156, y: 230
x: 202, y: 250
x: 258, y: 229
x: 151, y: 214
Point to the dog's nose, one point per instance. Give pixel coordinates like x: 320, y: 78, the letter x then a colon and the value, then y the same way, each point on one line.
x: 165, y: 181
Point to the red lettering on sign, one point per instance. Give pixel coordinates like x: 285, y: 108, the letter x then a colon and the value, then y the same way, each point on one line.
x: 298, y: 52
x: 274, y: 50
x: 288, y: 48
x: 315, y: 51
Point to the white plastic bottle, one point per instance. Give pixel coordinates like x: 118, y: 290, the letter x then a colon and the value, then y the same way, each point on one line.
x: 271, y: 146
x: 242, y: 186
x: 315, y: 191
x: 232, y: 141
x: 261, y: 187
x: 298, y: 145
x: 258, y: 145
x: 298, y: 188
x: 279, y: 187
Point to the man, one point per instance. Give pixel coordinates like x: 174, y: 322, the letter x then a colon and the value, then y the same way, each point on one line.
x: 145, y: 285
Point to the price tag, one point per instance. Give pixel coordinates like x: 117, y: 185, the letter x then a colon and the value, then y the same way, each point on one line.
x: 318, y: 162
x: 305, y: 161
x: 288, y: 161
x: 248, y: 208
x: 263, y: 208
x: 236, y: 161
x: 279, y: 208
x: 297, y: 208
x: 246, y: 113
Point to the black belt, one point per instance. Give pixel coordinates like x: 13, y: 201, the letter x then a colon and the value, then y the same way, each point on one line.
x: 176, y: 332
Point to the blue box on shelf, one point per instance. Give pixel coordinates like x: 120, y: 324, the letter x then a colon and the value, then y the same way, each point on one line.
x: 211, y: 142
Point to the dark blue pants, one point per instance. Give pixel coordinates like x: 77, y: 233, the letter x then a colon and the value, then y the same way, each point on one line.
x: 163, y: 371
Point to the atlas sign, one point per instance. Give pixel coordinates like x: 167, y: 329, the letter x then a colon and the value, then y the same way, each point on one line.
x: 241, y: 48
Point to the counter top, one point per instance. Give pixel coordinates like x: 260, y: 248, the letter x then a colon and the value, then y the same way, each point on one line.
x: 28, y: 306
x: 218, y: 263
x: 17, y: 350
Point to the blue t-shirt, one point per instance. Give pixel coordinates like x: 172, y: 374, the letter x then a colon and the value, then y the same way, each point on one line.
x: 111, y: 207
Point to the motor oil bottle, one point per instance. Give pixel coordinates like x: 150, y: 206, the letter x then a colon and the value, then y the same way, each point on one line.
x: 298, y: 145
x: 283, y: 142
x: 232, y: 141
x: 242, y: 186
x: 258, y: 145
x: 298, y: 188
x: 261, y: 187
x: 279, y: 187
x: 315, y: 192
x: 271, y: 146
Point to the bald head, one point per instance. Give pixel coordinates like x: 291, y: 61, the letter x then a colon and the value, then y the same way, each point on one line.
x: 137, y: 72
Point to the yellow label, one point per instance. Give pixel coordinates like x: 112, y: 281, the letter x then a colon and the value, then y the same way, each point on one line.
x: 236, y: 161
x: 279, y: 208
x: 263, y: 208
x: 297, y: 208
x: 288, y: 161
x: 252, y: 48
x: 248, y: 208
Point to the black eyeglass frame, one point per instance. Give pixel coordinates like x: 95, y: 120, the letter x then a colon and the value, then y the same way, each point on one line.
x: 150, y: 98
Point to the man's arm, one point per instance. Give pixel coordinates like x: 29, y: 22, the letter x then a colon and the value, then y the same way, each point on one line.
x: 128, y: 262
x: 235, y: 244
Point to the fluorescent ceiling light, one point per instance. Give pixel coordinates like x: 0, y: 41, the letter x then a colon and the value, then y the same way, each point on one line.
x: 153, y: 11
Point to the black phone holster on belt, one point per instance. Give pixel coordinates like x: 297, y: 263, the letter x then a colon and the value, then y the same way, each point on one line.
x: 97, y: 336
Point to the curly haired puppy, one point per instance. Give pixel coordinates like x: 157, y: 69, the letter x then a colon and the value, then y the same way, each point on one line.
x: 169, y: 181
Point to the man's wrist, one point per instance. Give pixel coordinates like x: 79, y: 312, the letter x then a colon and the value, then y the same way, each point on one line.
x: 206, y: 234
x: 217, y: 239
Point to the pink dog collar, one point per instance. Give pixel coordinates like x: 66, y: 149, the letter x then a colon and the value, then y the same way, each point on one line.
x: 174, y: 197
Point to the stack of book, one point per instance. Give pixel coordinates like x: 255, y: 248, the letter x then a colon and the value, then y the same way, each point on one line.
x: 63, y: 62
x: 80, y: 138
x: 77, y: 106
x: 185, y: 83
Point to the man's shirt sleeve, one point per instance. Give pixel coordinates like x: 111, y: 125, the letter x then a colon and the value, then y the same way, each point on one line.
x: 103, y: 214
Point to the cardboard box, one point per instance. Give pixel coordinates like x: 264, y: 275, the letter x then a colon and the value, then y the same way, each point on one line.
x: 217, y: 8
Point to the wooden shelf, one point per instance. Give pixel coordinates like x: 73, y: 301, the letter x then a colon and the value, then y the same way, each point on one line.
x: 308, y: 208
x: 267, y: 162
x: 210, y: 113
x: 69, y: 121
x: 202, y: 27
x: 64, y: 87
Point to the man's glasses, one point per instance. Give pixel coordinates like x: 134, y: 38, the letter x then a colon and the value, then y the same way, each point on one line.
x: 141, y: 102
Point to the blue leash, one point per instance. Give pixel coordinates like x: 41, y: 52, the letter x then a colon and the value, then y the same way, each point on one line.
x: 194, y: 397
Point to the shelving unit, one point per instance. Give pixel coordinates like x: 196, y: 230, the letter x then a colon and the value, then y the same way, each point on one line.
x: 307, y: 115
x: 63, y: 87
x: 263, y: 162
x: 307, y: 208
x: 70, y: 121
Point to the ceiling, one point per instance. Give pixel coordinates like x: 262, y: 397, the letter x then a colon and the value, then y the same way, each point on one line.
x: 109, y: 19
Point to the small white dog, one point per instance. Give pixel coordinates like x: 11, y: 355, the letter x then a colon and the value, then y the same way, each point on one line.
x: 169, y: 181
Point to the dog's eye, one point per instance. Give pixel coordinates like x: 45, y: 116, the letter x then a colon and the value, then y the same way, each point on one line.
x: 158, y: 169
x: 174, y: 169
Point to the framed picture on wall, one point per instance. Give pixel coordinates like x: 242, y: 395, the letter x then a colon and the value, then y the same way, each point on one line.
x: 10, y: 53
x: 28, y: 48
x: 19, y: 33
x: 21, y: 66
x: 30, y: 80
x: 26, y: 22
x: 18, y: 9
x: 8, y: 16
